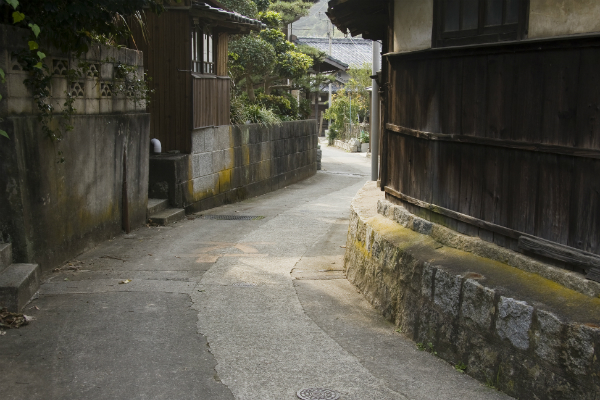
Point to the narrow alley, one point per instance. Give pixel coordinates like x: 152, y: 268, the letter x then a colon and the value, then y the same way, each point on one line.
x: 221, y: 307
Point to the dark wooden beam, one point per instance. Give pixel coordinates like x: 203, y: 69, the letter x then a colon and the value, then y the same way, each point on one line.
x: 456, y: 215
x: 588, y: 261
x: 509, y: 144
x: 560, y: 252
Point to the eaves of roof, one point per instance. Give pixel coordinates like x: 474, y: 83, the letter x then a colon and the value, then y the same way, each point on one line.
x: 368, y: 18
x: 351, y: 51
x: 224, y: 15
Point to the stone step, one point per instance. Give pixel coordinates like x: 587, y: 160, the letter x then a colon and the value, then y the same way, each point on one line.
x: 167, y: 216
x: 157, y: 205
x: 5, y: 255
x: 18, y: 284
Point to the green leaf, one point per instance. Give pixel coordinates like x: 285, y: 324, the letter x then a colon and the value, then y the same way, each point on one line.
x: 2, y: 133
x: 13, y: 3
x: 35, y: 28
x: 41, y: 55
x: 18, y: 17
x: 2, y: 75
x: 38, y: 65
x: 33, y: 45
x: 0, y: 97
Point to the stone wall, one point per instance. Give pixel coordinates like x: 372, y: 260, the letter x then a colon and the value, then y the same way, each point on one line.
x: 232, y: 163
x: 513, y: 330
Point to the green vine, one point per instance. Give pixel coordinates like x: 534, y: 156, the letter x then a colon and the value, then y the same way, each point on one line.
x: 126, y: 81
x: 34, y: 57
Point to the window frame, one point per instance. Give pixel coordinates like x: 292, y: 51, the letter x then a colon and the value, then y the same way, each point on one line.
x: 200, y: 36
x: 482, y: 34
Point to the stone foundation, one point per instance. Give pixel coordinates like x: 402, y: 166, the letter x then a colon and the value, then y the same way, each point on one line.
x: 529, y: 336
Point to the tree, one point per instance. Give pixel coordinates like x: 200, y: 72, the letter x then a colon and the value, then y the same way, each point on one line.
x: 72, y: 25
x: 291, y: 11
x: 247, y: 8
x: 289, y: 63
x: 350, y: 104
x: 250, y: 56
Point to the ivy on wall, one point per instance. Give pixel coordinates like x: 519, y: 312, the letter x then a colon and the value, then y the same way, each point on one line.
x: 72, y: 26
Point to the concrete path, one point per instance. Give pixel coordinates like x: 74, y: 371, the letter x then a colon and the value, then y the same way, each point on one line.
x: 224, y: 309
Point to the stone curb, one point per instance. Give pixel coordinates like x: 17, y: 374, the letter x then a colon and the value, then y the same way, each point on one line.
x: 505, y: 342
x: 450, y: 238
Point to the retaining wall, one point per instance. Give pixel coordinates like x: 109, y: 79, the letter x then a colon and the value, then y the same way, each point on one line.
x: 515, y: 330
x: 52, y: 211
x: 232, y: 163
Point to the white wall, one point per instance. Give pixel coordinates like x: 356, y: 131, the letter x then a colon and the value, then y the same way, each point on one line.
x: 563, y: 17
x: 413, y: 24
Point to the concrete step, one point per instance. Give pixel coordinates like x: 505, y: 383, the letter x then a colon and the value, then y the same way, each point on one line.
x: 18, y: 284
x: 167, y: 216
x: 157, y: 205
x: 5, y: 255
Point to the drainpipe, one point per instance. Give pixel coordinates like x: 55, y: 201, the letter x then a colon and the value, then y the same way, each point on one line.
x: 156, y: 146
x: 374, y: 142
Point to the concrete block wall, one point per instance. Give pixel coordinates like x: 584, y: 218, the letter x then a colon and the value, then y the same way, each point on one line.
x: 232, y: 163
x: 94, y: 92
x: 513, y: 330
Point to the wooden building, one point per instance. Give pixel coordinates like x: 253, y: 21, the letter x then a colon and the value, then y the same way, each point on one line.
x: 491, y: 118
x: 185, y: 53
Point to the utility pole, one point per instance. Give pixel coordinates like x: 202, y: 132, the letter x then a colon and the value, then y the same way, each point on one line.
x: 350, y: 102
x: 374, y: 142
x: 329, y: 29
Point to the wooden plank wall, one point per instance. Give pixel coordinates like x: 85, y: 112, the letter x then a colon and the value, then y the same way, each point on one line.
x: 222, y: 50
x: 526, y: 147
x: 211, y: 101
x: 167, y: 58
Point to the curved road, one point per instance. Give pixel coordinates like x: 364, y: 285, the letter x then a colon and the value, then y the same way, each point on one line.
x: 224, y: 309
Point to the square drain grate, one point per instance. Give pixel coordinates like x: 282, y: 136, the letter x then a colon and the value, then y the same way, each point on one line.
x: 233, y: 217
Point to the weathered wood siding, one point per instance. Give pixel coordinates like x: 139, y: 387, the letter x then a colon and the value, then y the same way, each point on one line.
x: 167, y: 57
x: 508, y: 134
x: 222, y: 39
x: 211, y: 101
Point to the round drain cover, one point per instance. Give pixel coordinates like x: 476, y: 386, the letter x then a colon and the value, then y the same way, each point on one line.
x: 317, y: 394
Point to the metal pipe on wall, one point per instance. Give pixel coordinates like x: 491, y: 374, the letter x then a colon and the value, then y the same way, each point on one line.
x: 375, y: 123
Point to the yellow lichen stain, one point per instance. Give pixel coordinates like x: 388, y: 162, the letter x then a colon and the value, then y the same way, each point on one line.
x: 360, y: 246
x: 224, y: 181
x: 190, y: 189
x: 395, y: 233
x: 231, y: 163
x: 245, y: 154
x: 531, y: 282
x: 536, y: 286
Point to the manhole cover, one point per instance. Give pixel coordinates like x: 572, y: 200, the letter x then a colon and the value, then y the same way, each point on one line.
x: 233, y: 217
x: 317, y: 394
x: 244, y: 284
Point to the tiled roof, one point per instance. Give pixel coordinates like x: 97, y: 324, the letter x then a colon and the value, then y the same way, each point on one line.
x: 230, y: 16
x: 352, y: 51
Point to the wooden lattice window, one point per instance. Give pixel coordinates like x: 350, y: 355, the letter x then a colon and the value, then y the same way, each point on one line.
x: 462, y: 22
x: 203, y: 51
